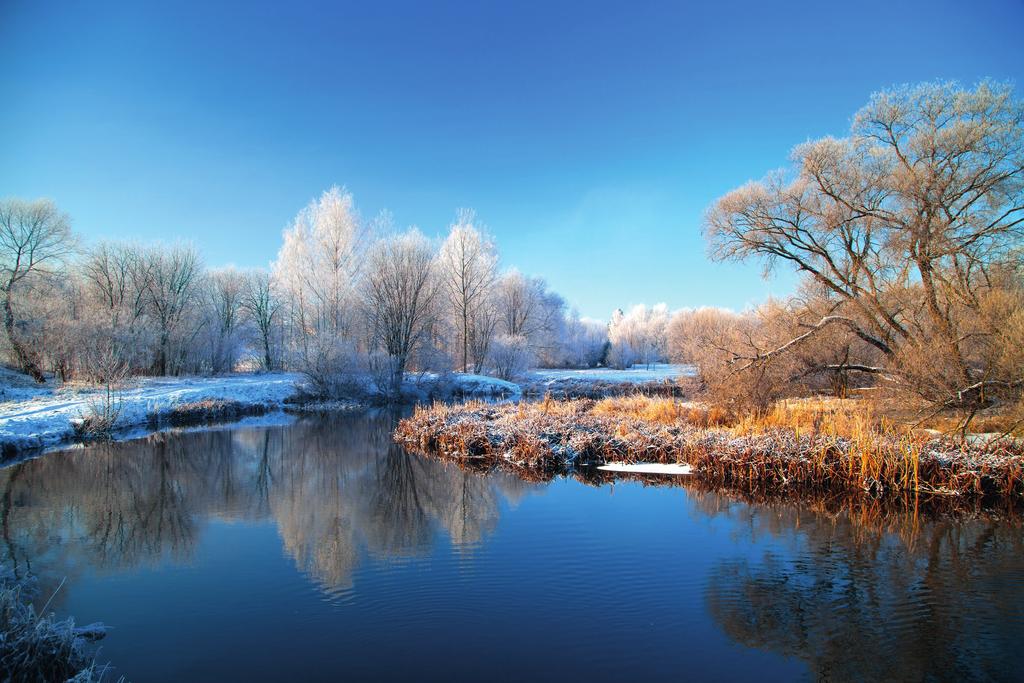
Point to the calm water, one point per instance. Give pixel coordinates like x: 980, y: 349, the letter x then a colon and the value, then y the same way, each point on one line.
x: 320, y: 550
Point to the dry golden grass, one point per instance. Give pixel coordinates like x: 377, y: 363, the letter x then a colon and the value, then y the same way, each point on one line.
x: 661, y: 410
x: 822, y: 445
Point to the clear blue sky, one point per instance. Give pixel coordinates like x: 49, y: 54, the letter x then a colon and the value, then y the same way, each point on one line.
x: 590, y: 137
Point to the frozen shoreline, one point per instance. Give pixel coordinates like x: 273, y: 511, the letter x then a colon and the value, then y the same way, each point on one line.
x: 34, y: 418
x: 43, y: 417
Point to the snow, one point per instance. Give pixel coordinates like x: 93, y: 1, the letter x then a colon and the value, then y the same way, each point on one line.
x: 38, y: 417
x: 659, y: 372
x: 41, y: 417
x: 647, y: 468
x: 462, y: 383
x: 482, y: 384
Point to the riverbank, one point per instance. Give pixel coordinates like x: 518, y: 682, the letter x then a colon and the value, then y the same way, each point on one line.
x: 845, y: 453
x: 34, y: 417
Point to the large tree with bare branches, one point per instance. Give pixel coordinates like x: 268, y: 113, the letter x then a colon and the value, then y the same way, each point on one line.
x: 400, y: 293
x: 35, y: 236
x: 468, y: 267
x: 911, y: 229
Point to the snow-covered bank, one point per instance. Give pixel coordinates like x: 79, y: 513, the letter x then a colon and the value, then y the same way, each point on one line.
x: 47, y: 416
x: 657, y: 372
x: 600, y: 382
x: 33, y: 417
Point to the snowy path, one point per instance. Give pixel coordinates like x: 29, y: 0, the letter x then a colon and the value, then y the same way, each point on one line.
x: 46, y: 416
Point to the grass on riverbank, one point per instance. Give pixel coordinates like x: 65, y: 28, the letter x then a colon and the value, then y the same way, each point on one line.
x: 39, y: 647
x: 822, y: 446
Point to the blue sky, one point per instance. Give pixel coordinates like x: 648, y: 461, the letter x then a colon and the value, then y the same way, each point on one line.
x: 590, y: 137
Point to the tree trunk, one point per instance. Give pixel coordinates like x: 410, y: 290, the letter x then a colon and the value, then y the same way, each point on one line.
x: 942, y: 323
x: 399, y: 375
x: 25, y: 360
x: 162, y: 359
x: 465, y: 339
x: 266, y: 353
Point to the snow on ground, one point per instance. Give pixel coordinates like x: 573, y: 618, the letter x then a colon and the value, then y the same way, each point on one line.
x: 638, y: 374
x: 460, y: 384
x: 483, y: 385
x: 41, y: 417
x: 37, y: 417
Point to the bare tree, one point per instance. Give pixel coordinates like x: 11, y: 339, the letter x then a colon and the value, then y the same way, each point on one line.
x: 400, y: 295
x: 908, y: 225
x: 262, y: 305
x: 172, y: 278
x: 224, y: 292
x: 34, y: 238
x: 468, y: 265
x: 116, y: 274
x: 528, y: 309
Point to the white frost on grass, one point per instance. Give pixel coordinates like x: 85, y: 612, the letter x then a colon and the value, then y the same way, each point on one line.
x: 46, y: 416
x: 647, y: 468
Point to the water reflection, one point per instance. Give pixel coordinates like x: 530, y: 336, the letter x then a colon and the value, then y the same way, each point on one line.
x: 333, y: 487
x: 853, y: 591
x: 937, y: 599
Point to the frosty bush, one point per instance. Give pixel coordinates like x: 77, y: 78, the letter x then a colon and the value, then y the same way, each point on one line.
x: 511, y: 356
x: 334, y: 368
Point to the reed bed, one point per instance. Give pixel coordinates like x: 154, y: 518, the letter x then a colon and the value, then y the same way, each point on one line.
x: 800, y: 447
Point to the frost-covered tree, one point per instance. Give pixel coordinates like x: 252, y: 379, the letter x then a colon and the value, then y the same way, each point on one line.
x: 261, y: 303
x: 527, y: 308
x: 637, y: 336
x: 318, y: 268
x: 113, y: 274
x: 511, y: 355
x: 172, y: 277
x: 35, y: 238
x: 468, y: 270
x: 582, y: 344
x: 400, y: 294
x: 224, y: 323
x: 321, y: 259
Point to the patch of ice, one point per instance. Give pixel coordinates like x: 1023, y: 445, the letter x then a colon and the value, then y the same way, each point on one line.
x: 648, y: 468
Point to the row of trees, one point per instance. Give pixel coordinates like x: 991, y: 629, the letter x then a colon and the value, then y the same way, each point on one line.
x: 347, y: 301
x: 908, y: 233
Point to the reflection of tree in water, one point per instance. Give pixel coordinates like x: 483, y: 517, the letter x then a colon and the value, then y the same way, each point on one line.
x: 332, y: 486
x: 863, y: 604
